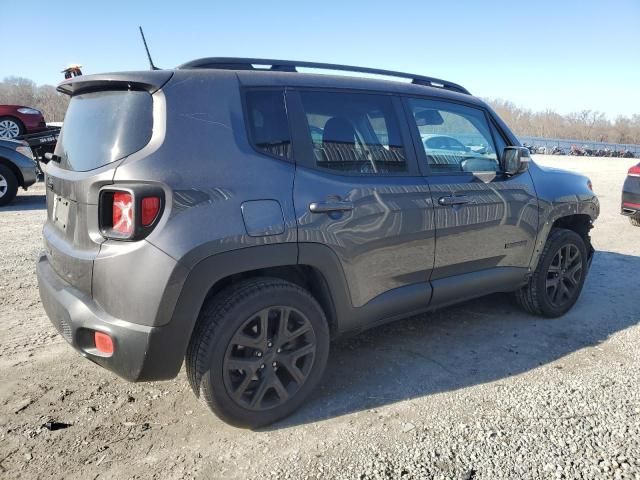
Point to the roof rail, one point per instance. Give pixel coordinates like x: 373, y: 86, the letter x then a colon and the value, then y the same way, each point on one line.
x: 231, y: 63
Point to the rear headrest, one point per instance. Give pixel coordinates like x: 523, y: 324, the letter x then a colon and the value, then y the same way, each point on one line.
x: 339, y: 130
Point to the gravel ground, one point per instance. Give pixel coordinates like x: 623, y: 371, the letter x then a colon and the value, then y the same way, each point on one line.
x: 477, y: 391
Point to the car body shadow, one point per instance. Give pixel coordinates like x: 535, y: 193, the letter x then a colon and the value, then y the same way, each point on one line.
x: 25, y: 203
x: 477, y: 342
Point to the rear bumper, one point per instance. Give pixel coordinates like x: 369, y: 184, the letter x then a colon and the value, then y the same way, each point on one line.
x: 631, y: 197
x: 630, y: 204
x: 141, y: 353
x: 33, y: 123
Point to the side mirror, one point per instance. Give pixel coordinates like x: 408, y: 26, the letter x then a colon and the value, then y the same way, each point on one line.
x: 515, y: 160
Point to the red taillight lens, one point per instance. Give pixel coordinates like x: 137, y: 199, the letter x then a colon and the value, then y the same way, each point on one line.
x: 104, y: 343
x: 150, y: 209
x: 131, y: 212
x: 635, y: 171
x: 122, y: 213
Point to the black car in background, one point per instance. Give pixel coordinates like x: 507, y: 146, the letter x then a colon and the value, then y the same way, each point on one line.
x: 631, y: 195
x: 17, y: 169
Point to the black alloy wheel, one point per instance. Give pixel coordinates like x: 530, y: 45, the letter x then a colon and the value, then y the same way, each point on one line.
x: 269, y: 358
x: 259, y: 349
x: 555, y: 285
x: 564, y: 275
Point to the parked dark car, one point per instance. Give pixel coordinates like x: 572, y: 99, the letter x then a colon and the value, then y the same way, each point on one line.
x: 631, y: 195
x: 16, y: 120
x: 17, y: 169
x: 238, y: 218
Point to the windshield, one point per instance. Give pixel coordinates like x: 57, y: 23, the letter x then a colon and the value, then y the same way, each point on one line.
x: 102, y: 127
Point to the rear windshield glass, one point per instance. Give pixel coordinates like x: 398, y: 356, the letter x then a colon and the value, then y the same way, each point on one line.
x: 102, y: 127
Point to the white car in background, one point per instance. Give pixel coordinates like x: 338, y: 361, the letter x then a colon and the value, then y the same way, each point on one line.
x: 450, y: 154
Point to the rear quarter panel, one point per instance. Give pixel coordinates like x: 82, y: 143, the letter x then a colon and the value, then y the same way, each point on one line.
x: 209, y: 169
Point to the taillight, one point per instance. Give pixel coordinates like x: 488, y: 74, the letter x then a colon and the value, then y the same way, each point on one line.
x: 150, y: 209
x: 129, y: 212
x: 634, y: 171
x: 122, y: 213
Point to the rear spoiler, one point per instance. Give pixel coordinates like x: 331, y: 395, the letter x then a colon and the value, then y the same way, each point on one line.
x: 150, y: 81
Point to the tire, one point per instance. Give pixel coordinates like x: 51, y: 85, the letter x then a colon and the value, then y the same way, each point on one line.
x: 539, y: 295
x: 10, y: 127
x: 635, y: 221
x: 273, y: 380
x: 8, y: 185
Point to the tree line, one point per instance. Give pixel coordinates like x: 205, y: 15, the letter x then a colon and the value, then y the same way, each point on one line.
x: 587, y: 125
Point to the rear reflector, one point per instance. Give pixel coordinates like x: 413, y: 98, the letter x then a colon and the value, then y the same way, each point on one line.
x: 634, y: 171
x: 104, y: 344
x: 631, y: 205
x: 122, y: 213
x: 150, y: 209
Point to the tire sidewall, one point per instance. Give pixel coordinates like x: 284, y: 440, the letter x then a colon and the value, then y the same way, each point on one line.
x: 565, y: 238
x: 12, y: 185
x: 212, y: 382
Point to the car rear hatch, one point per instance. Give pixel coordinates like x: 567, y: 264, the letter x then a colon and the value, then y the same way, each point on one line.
x: 109, y: 117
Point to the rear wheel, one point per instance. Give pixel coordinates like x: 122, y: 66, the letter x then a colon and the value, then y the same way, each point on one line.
x: 8, y: 185
x: 10, y: 127
x: 558, y: 280
x: 635, y: 221
x: 260, y: 348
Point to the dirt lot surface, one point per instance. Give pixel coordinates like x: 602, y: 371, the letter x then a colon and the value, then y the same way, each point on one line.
x: 480, y: 390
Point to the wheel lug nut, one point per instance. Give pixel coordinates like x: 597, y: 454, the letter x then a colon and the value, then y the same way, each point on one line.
x: 279, y: 350
x: 269, y: 344
x: 274, y: 364
x: 262, y: 366
x: 258, y: 354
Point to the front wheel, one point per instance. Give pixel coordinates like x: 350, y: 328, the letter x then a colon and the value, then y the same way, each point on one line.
x: 558, y: 280
x: 260, y: 348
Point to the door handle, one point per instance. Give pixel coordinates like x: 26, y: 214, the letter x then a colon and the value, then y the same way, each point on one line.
x: 330, y: 206
x: 453, y: 200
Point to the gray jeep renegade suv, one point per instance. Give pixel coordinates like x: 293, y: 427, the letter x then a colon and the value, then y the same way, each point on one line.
x: 237, y: 214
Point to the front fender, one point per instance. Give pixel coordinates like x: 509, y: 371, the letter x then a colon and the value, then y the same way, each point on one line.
x: 561, y: 194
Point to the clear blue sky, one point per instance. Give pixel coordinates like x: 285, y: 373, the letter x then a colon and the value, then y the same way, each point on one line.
x: 564, y: 55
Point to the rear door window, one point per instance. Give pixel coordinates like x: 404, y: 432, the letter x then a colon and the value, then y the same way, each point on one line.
x: 102, y: 127
x: 354, y: 132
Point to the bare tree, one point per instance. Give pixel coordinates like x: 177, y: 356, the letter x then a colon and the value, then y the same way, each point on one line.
x: 586, y: 125
x: 22, y: 91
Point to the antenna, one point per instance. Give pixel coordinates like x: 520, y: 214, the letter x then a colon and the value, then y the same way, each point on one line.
x: 144, y: 40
